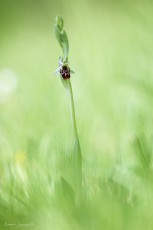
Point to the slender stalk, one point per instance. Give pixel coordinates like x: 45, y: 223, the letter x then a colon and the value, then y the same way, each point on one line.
x: 72, y: 108
x: 77, y: 155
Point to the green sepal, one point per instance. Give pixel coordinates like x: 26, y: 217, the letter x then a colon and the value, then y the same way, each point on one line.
x: 64, y: 82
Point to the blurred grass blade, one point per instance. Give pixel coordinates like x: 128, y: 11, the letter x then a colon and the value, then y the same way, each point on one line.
x: 68, y: 192
x: 78, y: 170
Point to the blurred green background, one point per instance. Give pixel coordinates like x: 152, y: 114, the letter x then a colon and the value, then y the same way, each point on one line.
x: 111, y: 54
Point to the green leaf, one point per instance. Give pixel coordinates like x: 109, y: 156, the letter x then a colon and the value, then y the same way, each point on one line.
x: 65, y: 44
x: 58, y: 34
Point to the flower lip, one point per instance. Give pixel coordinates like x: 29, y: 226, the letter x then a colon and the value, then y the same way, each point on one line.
x: 65, y: 72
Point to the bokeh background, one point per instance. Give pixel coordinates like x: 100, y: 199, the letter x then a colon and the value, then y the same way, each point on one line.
x: 111, y: 52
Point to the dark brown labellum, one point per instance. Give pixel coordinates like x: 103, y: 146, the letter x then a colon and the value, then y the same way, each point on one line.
x: 65, y: 72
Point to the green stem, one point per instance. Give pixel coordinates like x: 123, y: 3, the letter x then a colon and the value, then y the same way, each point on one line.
x: 77, y: 156
x: 72, y: 109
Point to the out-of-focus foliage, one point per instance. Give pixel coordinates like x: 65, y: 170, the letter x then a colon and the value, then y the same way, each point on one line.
x: 111, y: 52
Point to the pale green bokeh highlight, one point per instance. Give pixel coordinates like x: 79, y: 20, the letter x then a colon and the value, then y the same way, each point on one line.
x: 111, y: 52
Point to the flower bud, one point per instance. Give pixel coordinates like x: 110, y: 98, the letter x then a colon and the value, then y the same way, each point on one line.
x: 61, y: 36
x: 59, y: 22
